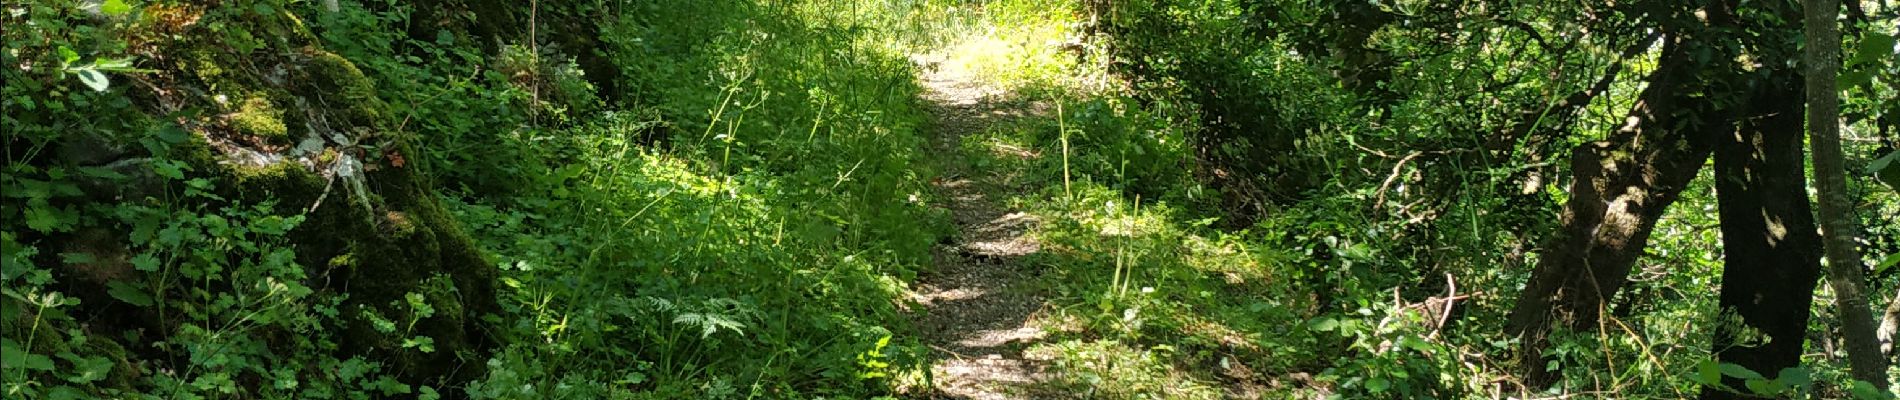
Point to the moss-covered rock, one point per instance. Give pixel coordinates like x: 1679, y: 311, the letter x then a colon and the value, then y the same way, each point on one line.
x: 336, y: 83
x: 381, y: 244
x: 246, y: 97
x: 257, y: 117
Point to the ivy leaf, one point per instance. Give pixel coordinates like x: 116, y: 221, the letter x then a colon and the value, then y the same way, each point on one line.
x: 128, y: 293
x: 93, y: 79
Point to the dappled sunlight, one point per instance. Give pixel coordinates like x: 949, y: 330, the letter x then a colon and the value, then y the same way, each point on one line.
x: 1112, y: 369
x: 948, y: 199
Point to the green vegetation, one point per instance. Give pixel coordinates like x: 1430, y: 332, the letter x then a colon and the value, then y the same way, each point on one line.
x: 742, y: 199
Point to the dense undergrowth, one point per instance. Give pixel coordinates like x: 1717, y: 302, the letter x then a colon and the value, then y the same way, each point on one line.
x: 737, y: 217
x: 688, y: 199
x: 1283, y: 281
x: 744, y: 235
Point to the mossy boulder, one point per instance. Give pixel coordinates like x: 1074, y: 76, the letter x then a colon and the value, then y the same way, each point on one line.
x: 247, y: 98
x: 256, y: 117
x: 374, y: 224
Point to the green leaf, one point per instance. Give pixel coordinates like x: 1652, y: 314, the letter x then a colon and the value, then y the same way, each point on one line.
x: 115, y: 64
x: 1378, y: 385
x: 1323, y: 324
x: 115, y: 7
x: 354, y: 368
x: 390, y: 386
x: 67, y: 55
x: 128, y: 293
x: 219, y: 381
x: 1414, y: 343
x: 422, y: 343
x: 1739, y: 372
x: 87, y: 369
x: 66, y: 393
x: 1707, y: 373
x: 1766, y: 387
x: 100, y: 172
x: 1864, y: 390
x: 1886, y: 263
x: 13, y: 355
x: 285, y: 379
x: 1874, y: 48
x: 169, y: 169
x: 77, y: 258
x: 45, y: 219
x: 1881, y: 163
x: 145, y: 262
x: 1795, y: 377
x: 93, y: 79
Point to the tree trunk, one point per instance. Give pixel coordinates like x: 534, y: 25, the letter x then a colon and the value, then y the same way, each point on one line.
x: 1837, y: 218
x: 1771, y: 252
x: 1620, y: 188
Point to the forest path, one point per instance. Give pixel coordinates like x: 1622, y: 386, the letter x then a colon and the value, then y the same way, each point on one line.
x: 981, y: 310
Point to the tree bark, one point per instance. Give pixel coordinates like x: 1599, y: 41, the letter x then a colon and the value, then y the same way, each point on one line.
x: 1837, y: 218
x: 1771, y: 251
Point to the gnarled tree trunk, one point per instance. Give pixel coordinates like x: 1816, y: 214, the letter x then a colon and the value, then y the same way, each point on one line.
x: 1622, y: 185
x: 1620, y: 189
